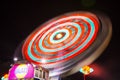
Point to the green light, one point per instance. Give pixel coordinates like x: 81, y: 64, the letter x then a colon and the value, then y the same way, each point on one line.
x: 88, y: 3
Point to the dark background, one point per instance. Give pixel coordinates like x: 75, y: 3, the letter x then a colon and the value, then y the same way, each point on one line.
x: 19, y: 18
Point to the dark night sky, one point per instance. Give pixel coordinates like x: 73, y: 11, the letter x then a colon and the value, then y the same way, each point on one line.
x: 20, y: 18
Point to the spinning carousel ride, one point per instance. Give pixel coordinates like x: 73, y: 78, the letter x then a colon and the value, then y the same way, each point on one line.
x: 66, y: 43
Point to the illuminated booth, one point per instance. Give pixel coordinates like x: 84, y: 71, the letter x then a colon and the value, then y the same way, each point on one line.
x: 41, y: 73
x: 26, y: 71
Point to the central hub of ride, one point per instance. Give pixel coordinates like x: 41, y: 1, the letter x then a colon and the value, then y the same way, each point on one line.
x: 59, y: 36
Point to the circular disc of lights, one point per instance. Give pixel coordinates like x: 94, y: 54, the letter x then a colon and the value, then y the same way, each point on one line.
x: 62, y: 42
